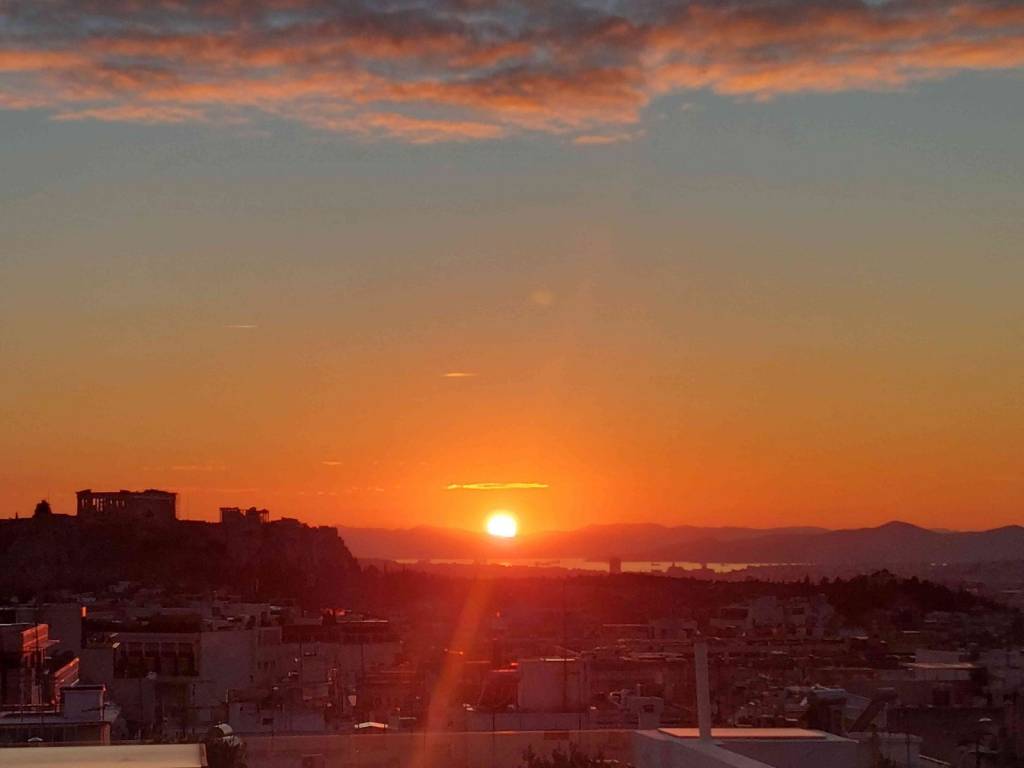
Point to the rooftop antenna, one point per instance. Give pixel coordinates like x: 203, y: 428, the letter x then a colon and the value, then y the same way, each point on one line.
x: 700, y: 660
x: 565, y: 652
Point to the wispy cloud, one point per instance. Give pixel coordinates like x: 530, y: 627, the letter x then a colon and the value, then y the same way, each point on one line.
x: 459, y: 375
x: 444, y: 70
x: 145, y: 114
x: 495, y: 486
x: 210, y: 467
x: 601, y: 139
x: 240, y: 326
x: 331, y: 463
x: 209, y: 489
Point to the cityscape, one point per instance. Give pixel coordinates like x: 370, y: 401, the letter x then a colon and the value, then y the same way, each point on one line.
x: 126, y: 625
x: 511, y: 384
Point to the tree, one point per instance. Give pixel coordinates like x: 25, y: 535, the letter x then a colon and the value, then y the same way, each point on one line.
x: 224, y: 749
x: 42, y: 509
x: 225, y: 754
x: 574, y: 758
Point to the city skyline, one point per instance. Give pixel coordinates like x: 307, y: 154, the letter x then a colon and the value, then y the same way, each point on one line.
x: 741, y: 263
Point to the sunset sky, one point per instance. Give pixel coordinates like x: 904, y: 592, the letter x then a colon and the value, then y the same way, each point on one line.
x: 392, y: 263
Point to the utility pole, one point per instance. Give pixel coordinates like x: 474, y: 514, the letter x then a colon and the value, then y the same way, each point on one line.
x: 565, y: 651
x: 703, y: 688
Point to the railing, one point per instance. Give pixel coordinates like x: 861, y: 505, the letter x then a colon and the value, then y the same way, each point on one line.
x: 37, y: 709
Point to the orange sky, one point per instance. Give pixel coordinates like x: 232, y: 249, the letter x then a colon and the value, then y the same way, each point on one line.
x: 709, y: 266
x: 631, y: 397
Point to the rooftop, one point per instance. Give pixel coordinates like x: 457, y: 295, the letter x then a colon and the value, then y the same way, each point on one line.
x: 150, y: 755
x: 731, y: 734
x: 942, y: 665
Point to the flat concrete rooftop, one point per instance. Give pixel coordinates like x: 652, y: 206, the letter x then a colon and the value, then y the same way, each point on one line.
x: 730, y: 734
x: 145, y: 755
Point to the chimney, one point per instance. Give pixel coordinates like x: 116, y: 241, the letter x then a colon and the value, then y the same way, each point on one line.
x: 700, y: 659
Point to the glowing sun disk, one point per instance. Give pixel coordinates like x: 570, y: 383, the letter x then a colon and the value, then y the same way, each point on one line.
x: 502, y: 525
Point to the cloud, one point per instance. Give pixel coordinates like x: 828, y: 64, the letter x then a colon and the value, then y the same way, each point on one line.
x: 601, y: 139
x: 146, y: 114
x: 209, y: 489
x: 495, y: 486
x: 331, y: 463
x: 472, y: 70
x: 409, y: 129
x: 240, y: 326
x: 459, y: 375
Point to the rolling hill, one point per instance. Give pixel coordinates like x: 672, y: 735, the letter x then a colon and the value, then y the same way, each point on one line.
x: 894, y: 542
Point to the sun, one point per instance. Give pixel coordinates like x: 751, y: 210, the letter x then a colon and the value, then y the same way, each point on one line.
x: 502, y: 525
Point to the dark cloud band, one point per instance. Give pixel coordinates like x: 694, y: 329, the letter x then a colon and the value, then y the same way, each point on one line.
x: 440, y: 70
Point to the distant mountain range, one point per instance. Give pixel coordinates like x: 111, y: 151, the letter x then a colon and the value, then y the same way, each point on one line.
x: 894, y: 542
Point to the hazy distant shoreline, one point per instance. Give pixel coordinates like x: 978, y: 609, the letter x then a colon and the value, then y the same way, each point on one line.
x: 641, y: 547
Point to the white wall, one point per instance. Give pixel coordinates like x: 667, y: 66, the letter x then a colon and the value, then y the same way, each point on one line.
x: 227, y: 660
